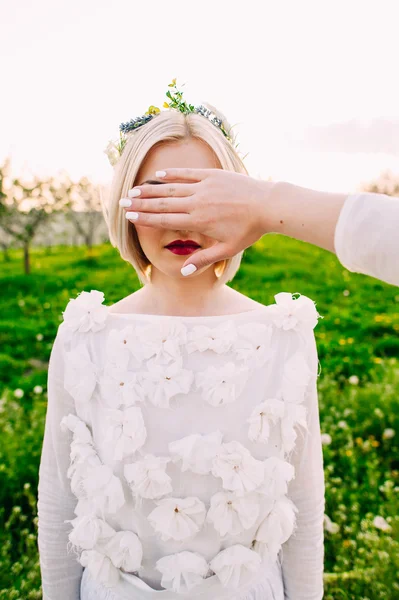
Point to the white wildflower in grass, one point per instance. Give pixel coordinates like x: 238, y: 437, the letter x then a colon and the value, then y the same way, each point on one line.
x: 353, y: 379
x: 388, y: 433
x: 378, y: 413
x: 39, y: 337
x: 342, y: 424
x: 21, y: 302
x: 326, y: 439
x: 381, y: 523
x: 18, y: 393
x: 346, y: 292
x: 38, y: 389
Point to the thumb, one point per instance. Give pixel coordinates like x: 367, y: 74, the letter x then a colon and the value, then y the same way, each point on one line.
x: 204, y: 258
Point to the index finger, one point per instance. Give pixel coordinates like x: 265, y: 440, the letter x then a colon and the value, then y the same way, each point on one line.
x: 187, y: 174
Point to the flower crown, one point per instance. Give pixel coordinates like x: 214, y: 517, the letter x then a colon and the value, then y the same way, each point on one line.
x: 114, y: 149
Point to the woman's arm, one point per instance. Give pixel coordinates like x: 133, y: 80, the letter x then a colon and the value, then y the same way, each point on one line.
x: 61, y: 572
x: 303, y: 552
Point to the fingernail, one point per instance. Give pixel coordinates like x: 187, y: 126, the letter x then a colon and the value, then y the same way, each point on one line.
x: 160, y: 173
x: 125, y: 202
x: 132, y: 215
x: 188, y: 269
x: 133, y: 193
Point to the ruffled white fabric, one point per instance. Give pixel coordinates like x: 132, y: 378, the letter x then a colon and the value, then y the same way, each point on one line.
x: 296, y: 375
x: 118, y: 386
x: 235, y: 565
x: 264, y: 415
x: 277, y: 474
x: 219, y: 339
x: 89, y: 531
x: 80, y: 376
x: 294, y: 313
x: 147, y: 478
x: 239, y: 470
x: 162, y: 382
x: 122, y: 348
x: 254, y: 344
x: 182, y: 571
x: 178, y: 518
x: 231, y: 514
x: 222, y: 385
x: 276, y: 528
x: 86, y: 312
x: 163, y: 340
x: 196, y: 451
x: 126, y: 431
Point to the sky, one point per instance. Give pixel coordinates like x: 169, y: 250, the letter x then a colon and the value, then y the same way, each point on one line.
x: 310, y: 86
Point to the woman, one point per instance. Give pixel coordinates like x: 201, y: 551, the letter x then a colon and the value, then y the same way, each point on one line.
x: 182, y: 454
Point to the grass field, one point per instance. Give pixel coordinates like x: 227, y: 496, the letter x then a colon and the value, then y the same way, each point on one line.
x: 358, y: 345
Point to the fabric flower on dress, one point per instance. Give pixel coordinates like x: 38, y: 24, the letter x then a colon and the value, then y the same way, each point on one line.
x: 222, y: 385
x: 126, y: 430
x: 79, y: 428
x: 235, y: 565
x: 163, y: 382
x: 119, y: 386
x: 80, y: 375
x: 88, y: 531
x: 86, y: 312
x: 291, y: 313
x: 276, y: 528
x: 182, y: 571
x: 231, y: 514
x: 253, y: 346
x: 102, y: 492
x: 295, y: 378
x: 219, y: 339
x: 277, y: 474
x: 122, y: 345
x: 100, y: 567
x: 267, y: 412
x: 147, y: 478
x: 239, y: 470
x: 196, y: 451
x: 178, y: 518
x: 125, y: 551
x: 162, y: 340
x: 295, y: 414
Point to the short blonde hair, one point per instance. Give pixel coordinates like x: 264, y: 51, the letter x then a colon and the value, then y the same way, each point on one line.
x: 167, y: 126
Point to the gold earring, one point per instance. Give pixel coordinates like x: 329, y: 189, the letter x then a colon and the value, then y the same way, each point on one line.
x: 220, y: 267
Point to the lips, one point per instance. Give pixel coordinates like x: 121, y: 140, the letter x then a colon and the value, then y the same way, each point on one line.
x: 183, y: 244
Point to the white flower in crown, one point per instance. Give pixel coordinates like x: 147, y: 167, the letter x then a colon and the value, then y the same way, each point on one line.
x: 231, y: 514
x: 277, y: 474
x: 253, y: 346
x: 88, y: 531
x: 222, y: 385
x: 147, y: 478
x: 263, y: 415
x: 80, y: 375
x: 219, y: 339
x: 235, y: 565
x: 102, y: 492
x: 86, y: 312
x: 123, y: 346
x: 100, y: 567
x: 295, y: 378
x: 276, y: 528
x: 178, y: 518
x: 125, y: 551
x: 182, y: 571
x: 126, y: 431
x: 162, y: 340
x: 291, y: 313
x: 118, y: 386
x: 239, y: 470
x: 196, y: 451
x: 163, y: 382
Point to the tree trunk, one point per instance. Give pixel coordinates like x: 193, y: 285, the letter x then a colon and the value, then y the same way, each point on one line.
x: 26, y: 258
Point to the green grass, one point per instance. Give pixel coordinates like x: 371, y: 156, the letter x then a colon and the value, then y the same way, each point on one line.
x: 357, y: 336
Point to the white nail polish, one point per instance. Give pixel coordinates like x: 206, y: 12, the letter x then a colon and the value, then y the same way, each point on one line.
x: 188, y: 269
x: 125, y: 202
x: 133, y: 193
x: 160, y: 173
x: 132, y: 216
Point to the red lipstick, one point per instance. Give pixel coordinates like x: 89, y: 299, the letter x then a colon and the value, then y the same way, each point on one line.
x: 182, y: 247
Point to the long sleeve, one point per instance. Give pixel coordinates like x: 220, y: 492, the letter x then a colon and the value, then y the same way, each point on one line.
x: 366, y: 236
x: 61, y: 572
x: 303, y: 552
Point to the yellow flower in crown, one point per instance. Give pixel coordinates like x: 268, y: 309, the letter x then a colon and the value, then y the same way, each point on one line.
x: 153, y: 110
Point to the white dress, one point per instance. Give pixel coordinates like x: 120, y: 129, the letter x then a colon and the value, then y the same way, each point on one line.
x: 182, y: 456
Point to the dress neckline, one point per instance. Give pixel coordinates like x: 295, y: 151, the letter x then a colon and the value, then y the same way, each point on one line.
x: 255, y: 311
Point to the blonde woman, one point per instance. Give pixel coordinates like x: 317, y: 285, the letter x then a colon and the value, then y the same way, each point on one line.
x: 182, y: 455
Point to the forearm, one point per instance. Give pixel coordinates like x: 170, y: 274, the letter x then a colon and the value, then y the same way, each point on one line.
x: 302, y: 213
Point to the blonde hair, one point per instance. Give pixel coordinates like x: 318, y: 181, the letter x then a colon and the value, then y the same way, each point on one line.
x: 167, y: 126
